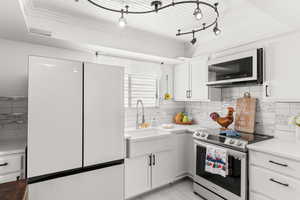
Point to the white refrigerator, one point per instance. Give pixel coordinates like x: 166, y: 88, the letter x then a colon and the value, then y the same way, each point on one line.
x: 75, y: 130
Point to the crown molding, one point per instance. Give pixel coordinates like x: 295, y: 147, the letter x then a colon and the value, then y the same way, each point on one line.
x: 31, y: 11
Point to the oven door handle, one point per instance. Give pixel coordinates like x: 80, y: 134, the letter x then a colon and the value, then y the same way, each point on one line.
x: 230, y: 152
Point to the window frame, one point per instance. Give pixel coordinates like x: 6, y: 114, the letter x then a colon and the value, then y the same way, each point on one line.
x: 129, y: 92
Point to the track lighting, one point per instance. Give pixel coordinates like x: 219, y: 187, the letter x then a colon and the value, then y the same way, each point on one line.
x: 216, y: 29
x: 198, y: 13
x: 157, y: 6
x: 122, y: 20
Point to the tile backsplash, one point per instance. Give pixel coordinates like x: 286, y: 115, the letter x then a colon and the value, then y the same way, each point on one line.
x: 163, y: 114
x: 13, y: 118
x: 271, y: 118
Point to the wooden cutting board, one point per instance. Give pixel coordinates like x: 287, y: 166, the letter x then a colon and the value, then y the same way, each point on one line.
x: 245, y: 114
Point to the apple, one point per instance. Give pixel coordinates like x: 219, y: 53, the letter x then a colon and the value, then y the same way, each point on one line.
x: 185, y: 119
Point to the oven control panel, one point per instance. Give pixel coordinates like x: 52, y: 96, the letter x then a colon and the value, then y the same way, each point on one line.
x: 236, y: 143
x: 200, y: 135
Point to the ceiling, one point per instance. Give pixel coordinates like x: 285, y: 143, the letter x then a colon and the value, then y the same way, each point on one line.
x: 256, y: 17
x: 165, y: 23
x: 241, y: 21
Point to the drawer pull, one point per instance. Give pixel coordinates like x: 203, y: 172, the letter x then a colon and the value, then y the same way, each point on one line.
x: 3, y: 164
x: 284, y: 184
x: 276, y: 163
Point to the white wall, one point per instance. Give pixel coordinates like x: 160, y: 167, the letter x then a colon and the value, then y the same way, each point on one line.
x: 14, y: 59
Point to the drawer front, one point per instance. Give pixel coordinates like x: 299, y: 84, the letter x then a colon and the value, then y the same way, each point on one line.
x: 273, y: 185
x: 281, y: 165
x: 10, y: 163
x: 9, y: 177
x: 255, y: 196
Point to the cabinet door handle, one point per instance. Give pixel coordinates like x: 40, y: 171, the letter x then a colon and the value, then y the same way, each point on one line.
x: 3, y: 164
x: 150, y: 160
x: 266, y: 88
x: 190, y: 93
x: 283, y: 184
x: 276, y: 163
x: 154, y: 160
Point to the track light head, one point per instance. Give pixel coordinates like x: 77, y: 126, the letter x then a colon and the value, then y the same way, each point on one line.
x: 198, y: 13
x: 194, y: 40
x: 122, y: 20
x: 216, y: 30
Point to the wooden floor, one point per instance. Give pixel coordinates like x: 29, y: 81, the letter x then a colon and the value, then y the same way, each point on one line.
x: 182, y: 190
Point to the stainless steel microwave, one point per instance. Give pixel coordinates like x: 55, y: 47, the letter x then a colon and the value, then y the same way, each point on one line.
x: 244, y: 67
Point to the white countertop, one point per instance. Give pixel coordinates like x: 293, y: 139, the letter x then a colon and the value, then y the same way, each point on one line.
x: 133, y: 133
x: 176, y: 128
x: 12, y: 146
x: 286, y: 149
x: 182, y: 128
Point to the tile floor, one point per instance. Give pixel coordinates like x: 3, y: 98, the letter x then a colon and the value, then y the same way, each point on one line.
x: 182, y: 190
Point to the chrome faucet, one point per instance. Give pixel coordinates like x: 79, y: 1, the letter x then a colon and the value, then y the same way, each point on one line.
x: 137, y: 113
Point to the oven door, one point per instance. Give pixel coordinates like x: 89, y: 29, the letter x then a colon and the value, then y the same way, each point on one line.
x: 231, y: 187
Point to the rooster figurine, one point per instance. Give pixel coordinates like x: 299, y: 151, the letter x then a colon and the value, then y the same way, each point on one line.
x: 223, y: 121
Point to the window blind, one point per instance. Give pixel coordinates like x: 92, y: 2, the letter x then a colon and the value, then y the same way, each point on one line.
x: 141, y: 86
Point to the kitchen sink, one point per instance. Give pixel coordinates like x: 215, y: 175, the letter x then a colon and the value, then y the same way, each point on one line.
x: 145, y: 134
x: 144, y: 141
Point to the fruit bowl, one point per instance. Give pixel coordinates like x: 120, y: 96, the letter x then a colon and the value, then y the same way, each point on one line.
x: 182, y: 119
x: 184, y: 123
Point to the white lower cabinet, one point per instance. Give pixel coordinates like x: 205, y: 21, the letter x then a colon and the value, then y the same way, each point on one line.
x: 156, y: 162
x: 273, y: 177
x: 190, y: 155
x: 137, y: 175
x: 181, y: 155
x: 162, y: 168
x: 256, y: 196
x: 11, y: 167
x: 147, y: 172
x: 185, y: 155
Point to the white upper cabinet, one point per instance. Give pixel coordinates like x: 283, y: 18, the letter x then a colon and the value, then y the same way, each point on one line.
x: 198, y: 79
x: 54, y: 116
x: 282, y: 70
x: 181, y: 81
x: 190, y: 80
x: 103, y: 113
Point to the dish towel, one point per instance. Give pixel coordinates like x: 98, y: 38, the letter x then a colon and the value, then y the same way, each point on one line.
x: 216, y: 161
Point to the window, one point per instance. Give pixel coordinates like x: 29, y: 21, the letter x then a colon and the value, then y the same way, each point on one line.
x: 140, y: 86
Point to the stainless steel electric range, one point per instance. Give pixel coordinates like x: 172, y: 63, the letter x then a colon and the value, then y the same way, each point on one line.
x: 235, y: 185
